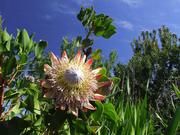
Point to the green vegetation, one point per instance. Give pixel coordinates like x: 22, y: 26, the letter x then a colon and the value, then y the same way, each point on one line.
x: 143, y: 99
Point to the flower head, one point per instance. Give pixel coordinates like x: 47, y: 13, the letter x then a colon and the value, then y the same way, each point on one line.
x: 72, y: 83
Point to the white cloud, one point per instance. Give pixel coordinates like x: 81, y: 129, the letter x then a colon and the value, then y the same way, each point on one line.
x: 144, y: 28
x: 176, y: 10
x: 48, y: 17
x: 177, y: 1
x: 133, y: 3
x: 174, y: 26
x: 56, y: 7
x: 69, y: 8
x: 124, y: 24
x: 66, y: 8
x: 84, y: 3
x: 62, y: 8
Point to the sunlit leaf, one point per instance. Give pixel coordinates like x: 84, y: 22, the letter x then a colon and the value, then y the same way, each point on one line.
x: 23, y: 39
x: 110, y: 112
x: 96, y: 55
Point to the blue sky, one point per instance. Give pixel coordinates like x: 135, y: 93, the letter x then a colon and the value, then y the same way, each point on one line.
x: 51, y: 20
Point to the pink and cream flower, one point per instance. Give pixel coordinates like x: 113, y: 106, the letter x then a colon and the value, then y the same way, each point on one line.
x: 72, y: 83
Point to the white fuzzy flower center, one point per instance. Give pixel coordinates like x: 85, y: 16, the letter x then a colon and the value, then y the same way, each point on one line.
x: 73, y: 76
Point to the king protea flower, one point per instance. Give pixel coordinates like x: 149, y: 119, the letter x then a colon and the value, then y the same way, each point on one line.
x: 72, y: 83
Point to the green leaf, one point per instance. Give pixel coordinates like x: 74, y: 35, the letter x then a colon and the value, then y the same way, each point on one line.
x: 103, y: 78
x: 103, y: 26
x: 99, y: 111
x: 22, y: 58
x: 132, y: 131
x: 9, y: 66
x: 29, y: 102
x: 37, y: 106
x: 128, y: 86
x: 103, y: 71
x: 5, y: 36
x: 116, y: 80
x: 8, y: 45
x: 38, y: 122
x: 39, y: 48
x: 30, y: 45
x: 23, y: 39
x: 2, y: 48
x: 9, y: 94
x: 176, y: 90
x: 99, y: 24
x: 96, y: 55
x: 109, y: 32
x: 99, y: 31
x: 5, y: 42
x: 174, y: 123
x: 110, y: 112
x: 16, y: 110
x: 80, y: 126
x: 32, y: 100
x: 87, y: 42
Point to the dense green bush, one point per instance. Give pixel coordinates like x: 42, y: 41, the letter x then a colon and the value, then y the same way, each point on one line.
x: 153, y: 70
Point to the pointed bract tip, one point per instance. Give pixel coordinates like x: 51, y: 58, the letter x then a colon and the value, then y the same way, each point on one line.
x: 64, y: 54
x: 89, y: 106
x: 46, y: 68
x: 99, y: 97
x: 44, y: 84
x: 52, y: 56
x: 54, y: 59
x: 89, y: 62
x: 104, y: 84
x: 75, y: 113
x: 78, y: 56
x: 97, y: 70
x: 83, y: 58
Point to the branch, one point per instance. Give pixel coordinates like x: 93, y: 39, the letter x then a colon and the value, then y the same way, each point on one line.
x: 1, y: 88
x: 10, y: 110
x: 15, y: 73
